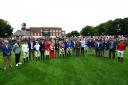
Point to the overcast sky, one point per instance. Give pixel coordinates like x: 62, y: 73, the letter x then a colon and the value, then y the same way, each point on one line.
x: 68, y: 14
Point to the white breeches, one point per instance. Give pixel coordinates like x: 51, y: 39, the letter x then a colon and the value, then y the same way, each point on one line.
x: 25, y: 54
x: 120, y: 53
x: 37, y: 53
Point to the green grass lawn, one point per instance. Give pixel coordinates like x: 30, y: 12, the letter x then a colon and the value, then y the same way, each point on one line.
x: 85, y: 70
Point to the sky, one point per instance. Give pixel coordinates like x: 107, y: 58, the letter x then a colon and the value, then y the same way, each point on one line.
x: 68, y: 14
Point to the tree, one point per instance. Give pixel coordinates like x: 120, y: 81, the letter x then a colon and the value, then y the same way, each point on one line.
x: 112, y: 27
x: 75, y: 34
x: 124, y: 27
x: 100, y: 29
x: 5, y: 28
x: 86, y: 31
x: 109, y: 28
x: 68, y: 35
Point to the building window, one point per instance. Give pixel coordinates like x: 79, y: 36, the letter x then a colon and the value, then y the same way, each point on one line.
x: 38, y: 34
x: 59, y: 30
x: 54, y: 34
x: 50, y: 30
x: 53, y: 30
x: 59, y: 34
x: 51, y: 34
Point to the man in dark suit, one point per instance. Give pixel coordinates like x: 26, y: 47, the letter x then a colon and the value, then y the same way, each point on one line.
x: 112, y: 48
x: 102, y: 47
x: 56, y: 48
x: 106, y: 49
x: 90, y: 44
x: 98, y: 47
x: 42, y: 48
x: 31, y: 45
x: 65, y: 48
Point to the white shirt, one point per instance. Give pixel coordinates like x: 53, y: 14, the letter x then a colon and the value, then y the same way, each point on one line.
x: 37, y: 47
x: 31, y: 45
x: 98, y: 43
x: 6, y: 46
x: 25, y: 48
x: 82, y: 43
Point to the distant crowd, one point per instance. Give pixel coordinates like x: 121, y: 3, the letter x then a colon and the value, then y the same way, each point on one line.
x: 49, y: 48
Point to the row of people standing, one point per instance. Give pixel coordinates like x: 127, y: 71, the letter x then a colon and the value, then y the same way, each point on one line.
x: 38, y: 50
x: 108, y: 48
x: 48, y: 49
x: 32, y: 50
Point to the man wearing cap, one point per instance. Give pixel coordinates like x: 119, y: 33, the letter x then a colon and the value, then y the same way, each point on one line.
x: 120, y: 49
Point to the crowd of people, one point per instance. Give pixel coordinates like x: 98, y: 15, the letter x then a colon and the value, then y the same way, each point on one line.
x: 49, y: 48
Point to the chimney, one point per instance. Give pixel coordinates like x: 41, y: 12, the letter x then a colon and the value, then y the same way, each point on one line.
x: 23, y: 26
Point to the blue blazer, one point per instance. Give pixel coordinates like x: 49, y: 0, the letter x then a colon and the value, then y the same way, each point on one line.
x: 113, y: 46
x: 69, y: 44
x: 96, y: 45
x: 6, y: 50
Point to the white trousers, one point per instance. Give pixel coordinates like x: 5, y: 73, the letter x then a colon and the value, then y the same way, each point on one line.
x: 25, y: 54
x: 47, y: 52
x: 69, y: 50
x: 37, y: 53
x: 61, y: 51
x: 121, y: 54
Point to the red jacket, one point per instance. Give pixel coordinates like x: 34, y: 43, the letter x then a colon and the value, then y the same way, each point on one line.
x: 47, y: 47
x: 121, y: 46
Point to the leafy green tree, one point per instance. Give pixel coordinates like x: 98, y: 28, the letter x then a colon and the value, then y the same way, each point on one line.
x: 5, y: 28
x: 100, y: 29
x: 124, y: 28
x: 75, y: 33
x: 109, y: 28
x: 68, y: 35
x: 86, y: 31
x: 116, y: 27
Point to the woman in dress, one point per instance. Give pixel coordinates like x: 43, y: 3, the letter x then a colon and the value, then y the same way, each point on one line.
x: 47, y: 49
x: 52, y: 47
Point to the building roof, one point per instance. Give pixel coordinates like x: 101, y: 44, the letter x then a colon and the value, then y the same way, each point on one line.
x: 21, y: 33
x: 45, y: 28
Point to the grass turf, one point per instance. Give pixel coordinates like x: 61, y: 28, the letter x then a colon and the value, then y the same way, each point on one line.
x: 84, y: 70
